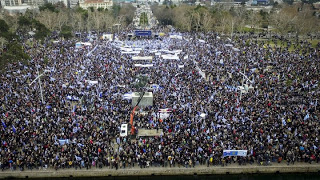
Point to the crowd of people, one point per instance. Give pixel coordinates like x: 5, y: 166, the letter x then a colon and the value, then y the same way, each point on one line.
x: 71, y: 117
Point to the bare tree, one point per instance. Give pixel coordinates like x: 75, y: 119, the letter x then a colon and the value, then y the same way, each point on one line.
x: 304, y: 22
x: 207, y: 21
x: 182, y: 18
x: 61, y: 19
x: 284, y: 19
x: 48, y: 18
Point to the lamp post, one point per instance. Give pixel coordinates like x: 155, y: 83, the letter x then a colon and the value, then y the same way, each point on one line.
x: 118, y: 26
x: 39, y: 81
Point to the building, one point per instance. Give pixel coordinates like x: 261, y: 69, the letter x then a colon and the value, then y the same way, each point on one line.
x: 65, y: 2
x: 73, y: 3
x: 260, y: 2
x: 17, y: 9
x: 85, y: 4
x: 21, y: 2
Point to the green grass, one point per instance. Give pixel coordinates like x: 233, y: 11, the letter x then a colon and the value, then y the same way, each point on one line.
x: 314, y: 42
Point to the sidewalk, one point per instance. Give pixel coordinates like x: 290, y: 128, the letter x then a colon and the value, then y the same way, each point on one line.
x: 136, y: 171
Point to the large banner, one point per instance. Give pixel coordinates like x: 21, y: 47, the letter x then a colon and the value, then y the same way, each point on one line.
x: 234, y: 153
x: 142, y: 32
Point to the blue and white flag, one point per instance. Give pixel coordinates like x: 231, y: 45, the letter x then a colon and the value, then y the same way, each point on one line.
x: 63, y: 141
x: 78, y: 158
x: 234, y: 153
x: 4, y: 125
x: 14, y: 129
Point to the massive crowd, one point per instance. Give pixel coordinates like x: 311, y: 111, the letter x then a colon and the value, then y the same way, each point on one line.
x: 77, y: 125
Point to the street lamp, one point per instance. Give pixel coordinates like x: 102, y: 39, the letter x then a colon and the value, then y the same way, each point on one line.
x: 118, y: 26
x: 39, y: 81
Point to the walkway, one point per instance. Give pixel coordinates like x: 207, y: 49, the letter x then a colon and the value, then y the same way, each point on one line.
x: 136, y: 171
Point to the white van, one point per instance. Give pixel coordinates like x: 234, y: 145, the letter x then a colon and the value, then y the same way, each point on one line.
x: 124, y: 130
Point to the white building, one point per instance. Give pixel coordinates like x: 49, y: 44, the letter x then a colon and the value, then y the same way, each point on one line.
x: 17, y: 9
x: 105, y: 4
x: 21, y: 2
x: 65, y: 2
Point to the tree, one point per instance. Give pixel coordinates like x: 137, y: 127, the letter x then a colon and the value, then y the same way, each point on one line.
x: 48, y: 18
x: 48, y: 6
x: 3, y: 41
x: 283, y: 20
x: 24, y: 23
x: 253, y: 19
x: 304, y: 22
x: 127, y: 11
x: 14, y: 53
x: 182, y: 19
x: 143, y: 19
x: 164, y: 14
x: 41, y: 30
x: 66, y: 32
x: 4, y: 28
x: 5, y: 33
x: 61, y: 19
x: 116, y: 10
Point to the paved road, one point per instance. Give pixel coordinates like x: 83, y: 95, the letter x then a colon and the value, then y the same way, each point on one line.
x: 230, y: 169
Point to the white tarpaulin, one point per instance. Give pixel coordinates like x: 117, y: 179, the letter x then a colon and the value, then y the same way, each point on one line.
x: 228, y: 45
x: 81, y: 44
x: 141, y: 57
x: 127, y: 49
x: 143, y: 65
x: 130, y: 52
x: 202, y: 41
x: 235, y: 49
x: 175, y: 37
x: 108, y: 37
x: 91, y: 82
x: 169, y: 56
